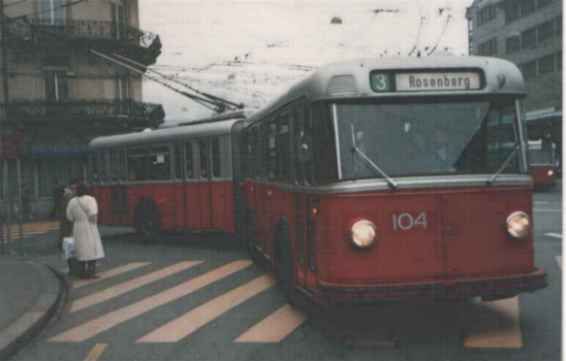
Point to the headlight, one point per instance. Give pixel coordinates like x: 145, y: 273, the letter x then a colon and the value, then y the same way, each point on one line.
x: 363, y: 233
x: 518, y: 224
x: 550, y: 172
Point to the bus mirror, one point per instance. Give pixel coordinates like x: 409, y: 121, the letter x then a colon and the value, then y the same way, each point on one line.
x: 304, y: 149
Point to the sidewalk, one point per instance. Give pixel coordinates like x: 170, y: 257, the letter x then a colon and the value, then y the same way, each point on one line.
x: 32, y: 292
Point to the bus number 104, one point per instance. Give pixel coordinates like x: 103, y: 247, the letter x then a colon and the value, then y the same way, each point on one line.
x: 406, y: 221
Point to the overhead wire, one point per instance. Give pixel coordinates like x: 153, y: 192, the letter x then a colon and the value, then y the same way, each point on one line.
x: 441, y: 35
x: 419, y: 31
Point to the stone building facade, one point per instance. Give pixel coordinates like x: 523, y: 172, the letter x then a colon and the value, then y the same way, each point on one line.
x: 528, y: 33
x: 56, y: 94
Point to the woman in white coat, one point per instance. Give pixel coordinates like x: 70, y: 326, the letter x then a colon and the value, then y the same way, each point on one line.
x: 82, y: 210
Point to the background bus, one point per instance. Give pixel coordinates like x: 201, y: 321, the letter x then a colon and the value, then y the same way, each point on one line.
x: 542, y: 162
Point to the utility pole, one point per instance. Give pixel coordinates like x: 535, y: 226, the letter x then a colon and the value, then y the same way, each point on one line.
x: 3, y: 120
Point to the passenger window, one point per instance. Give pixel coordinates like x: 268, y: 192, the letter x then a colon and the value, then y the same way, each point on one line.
x: 178, y: 161
x: 204, y: 154
x: 137, y: 164
x: 101, y: 161
x: 216, y: 157
x: 159, y: 163
x: 283, y: 151
x: 189, y: 160
x: 271, y: 151
x: 303, y: 147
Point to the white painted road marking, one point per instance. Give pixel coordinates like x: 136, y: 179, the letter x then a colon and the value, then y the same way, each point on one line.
x: 497, y: 326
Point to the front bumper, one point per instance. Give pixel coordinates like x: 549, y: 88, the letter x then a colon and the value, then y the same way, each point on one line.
x: 485, y: 287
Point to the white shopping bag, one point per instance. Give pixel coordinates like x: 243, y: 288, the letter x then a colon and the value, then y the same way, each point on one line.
x: 68, y: 247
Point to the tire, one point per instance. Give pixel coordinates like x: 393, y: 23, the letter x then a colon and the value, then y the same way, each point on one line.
x: 147, y: 221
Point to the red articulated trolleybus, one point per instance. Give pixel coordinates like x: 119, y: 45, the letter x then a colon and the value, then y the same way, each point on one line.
x: 170, y: 179
x: 369, y: 180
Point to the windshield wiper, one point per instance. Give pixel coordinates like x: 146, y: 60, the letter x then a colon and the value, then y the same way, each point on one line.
x: 390, y: 182
x: 503, y: 165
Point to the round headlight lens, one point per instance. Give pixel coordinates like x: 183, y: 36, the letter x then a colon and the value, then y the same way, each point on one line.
x: 518, y: 224
x: 363, y: 233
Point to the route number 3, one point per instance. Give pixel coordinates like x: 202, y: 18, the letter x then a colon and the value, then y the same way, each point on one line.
x: 406, y: 221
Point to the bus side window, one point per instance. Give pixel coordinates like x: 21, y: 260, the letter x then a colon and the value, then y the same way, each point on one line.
x: 178, y: 151
x: 283, y: 151
x: 189, y: 160
x: 271, y: 150
x: 252, y: 158
x: 215, y: 147
x: 159, y: 163
x: 101, y: 161
x: 136, y: 164
x: 92, y: 168
x: 203, y: 155
x: 303, y: 146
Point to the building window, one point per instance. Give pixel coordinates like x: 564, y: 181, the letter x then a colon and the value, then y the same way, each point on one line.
x: 122, y: 88
x: 486, y: 14
x: 558, y: 26
x: 57, y: 87
x: 558, y: 60
x: 545, y: 30
x: 527, y: 7
x: 52, y: 12
x: 543, y: 3
x: 529, y: 69
x: 529, y: 38
x: 488, y: 48
x: 119, y: 19
x: 512, y: 44
x: 546, y: 64
x: 511, y: 10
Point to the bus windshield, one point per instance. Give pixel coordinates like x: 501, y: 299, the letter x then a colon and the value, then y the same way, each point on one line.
x: 426, y: 138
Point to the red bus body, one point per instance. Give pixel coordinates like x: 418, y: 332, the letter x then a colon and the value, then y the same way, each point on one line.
x: 436, y: 236
x: 347, y: 154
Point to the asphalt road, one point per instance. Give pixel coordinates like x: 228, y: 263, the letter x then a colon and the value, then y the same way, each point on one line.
x: 203, y: 300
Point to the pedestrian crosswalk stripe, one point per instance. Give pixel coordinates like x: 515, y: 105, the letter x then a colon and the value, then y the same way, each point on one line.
x: 122, y: 288
x: 110, y: 273
x: 275, y: 327
x: 96, y: 352
x: 498, y: 328
x: 107, y: 321
x: 193, y: 320
x: 555, y: 235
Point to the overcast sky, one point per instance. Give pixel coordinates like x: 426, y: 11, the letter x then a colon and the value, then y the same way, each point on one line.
x: 251, y: 50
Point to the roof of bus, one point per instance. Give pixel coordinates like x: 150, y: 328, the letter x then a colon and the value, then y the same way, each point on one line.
x: 501, y: 77
x: 165, y: 134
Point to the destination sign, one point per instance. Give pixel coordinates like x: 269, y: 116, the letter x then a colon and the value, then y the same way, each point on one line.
x: 405, y: 82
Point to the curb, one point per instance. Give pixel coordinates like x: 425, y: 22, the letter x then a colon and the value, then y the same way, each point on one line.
x: 31, y: 322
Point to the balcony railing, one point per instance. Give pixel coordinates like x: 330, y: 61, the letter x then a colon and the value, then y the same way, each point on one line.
x: 131, y: 113
x: 30, y: 28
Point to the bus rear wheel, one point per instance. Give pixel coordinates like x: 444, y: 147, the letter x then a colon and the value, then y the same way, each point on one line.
x: 147, y: 221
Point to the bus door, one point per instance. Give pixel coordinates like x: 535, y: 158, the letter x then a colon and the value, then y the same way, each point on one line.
x: 205, y: 184
x: 302, y: 163
x: 118, y: 192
